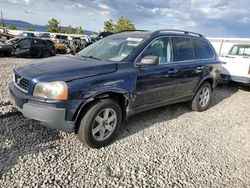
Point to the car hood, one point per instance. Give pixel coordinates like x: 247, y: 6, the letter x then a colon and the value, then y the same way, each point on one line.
x: 5, y: 46
x: 65, y: 68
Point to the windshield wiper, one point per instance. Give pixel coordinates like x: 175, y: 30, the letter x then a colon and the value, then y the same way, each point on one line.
x: 91, y: 57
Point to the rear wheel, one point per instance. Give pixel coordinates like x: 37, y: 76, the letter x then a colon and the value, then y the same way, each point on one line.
x: 100, y: 124
x: 3, y: 54
x: 45, y: 54
x: 203, y: 98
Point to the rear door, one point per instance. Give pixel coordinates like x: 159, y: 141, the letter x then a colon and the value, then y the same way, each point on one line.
x: 155, y: 83
x: 237, y: 62
x: 190, y: 68
x: 37, y: 46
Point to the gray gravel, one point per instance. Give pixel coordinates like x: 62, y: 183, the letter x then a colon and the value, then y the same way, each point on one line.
x: 167, y: 147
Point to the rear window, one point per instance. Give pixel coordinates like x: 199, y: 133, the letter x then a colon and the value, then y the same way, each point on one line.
x: 203, y: 50
x: 183, y: 49
x: 48, y: 41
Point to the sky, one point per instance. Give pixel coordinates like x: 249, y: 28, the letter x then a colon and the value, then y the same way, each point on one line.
x: 212, y: 18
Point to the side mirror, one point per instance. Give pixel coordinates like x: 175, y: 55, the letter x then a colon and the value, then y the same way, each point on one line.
x: 149, y: 60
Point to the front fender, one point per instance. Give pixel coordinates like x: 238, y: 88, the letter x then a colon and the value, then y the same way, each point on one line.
x: 105, y: 90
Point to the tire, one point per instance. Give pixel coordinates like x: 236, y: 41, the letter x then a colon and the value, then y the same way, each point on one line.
x: 203, y: 98
x: 94, y: 130
x: 45, y: 54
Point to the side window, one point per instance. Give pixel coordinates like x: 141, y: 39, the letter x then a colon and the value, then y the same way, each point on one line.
x: 246, y: 51
x: 48, y: 42
x: 161, y: 48
x: 183, y: 49
x: 240, y: 50
x: 203, y: 50
x: 25, y: 43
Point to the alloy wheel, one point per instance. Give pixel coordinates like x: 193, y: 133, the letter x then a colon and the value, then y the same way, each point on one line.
x: 104, y: 124
x: 204, y: 97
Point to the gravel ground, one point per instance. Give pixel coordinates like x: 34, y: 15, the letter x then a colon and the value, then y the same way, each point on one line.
x: 167, y: 147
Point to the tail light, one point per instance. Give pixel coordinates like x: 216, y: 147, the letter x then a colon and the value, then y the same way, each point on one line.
x: 249, y: 70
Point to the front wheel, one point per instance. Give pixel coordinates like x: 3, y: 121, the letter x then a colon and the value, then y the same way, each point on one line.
x: 100, y: 124
x: 203, y: 98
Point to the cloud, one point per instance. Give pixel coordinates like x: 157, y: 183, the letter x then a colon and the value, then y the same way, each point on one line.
x: 27, y: 11
x: 103, y: 6
x: 75, y: 6
x: 211, y: 17
x: 16, y: 1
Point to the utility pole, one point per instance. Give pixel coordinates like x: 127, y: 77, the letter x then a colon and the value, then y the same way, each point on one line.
x: 2, y: 18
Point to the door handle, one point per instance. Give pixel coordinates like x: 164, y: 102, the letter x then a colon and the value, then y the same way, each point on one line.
x: 173, y: 71
x: 159, y: 76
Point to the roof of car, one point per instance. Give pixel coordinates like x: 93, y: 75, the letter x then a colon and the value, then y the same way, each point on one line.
x: 132, y: 34
x: 145, y: 34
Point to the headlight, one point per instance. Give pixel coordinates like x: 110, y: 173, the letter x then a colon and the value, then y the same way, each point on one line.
x: 51, y: 90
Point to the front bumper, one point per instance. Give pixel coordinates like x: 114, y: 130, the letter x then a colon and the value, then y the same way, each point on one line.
x: 49, y: 116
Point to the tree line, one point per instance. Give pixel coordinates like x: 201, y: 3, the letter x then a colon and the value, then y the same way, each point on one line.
x: 109, y: 26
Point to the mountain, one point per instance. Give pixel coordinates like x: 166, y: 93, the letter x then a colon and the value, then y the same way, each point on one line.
x: 22, y: 25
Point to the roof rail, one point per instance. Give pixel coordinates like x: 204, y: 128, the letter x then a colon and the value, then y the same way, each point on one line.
x: 179, y: 31
x: 132, y: 31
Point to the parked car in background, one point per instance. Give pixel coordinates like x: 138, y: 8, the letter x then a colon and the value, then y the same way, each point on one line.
x: 86, y: 40
x: 27, y: 34
x: 33, y: 47
x: 93, y: 92
x: 43, y: 35
x: 60, y: 48
x: 103, y: 35
x: 60, y: 38
x: 236, y: 65
x: 75, y: 45
x: 28, y: 47
x: 6, y: 49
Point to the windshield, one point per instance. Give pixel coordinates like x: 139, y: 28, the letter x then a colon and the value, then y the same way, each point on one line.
x: 111, y: 48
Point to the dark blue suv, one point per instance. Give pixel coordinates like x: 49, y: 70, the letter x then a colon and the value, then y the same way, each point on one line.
x: 93, y: 92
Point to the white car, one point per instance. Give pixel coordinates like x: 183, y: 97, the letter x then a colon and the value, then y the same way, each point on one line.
x: 236, y: 65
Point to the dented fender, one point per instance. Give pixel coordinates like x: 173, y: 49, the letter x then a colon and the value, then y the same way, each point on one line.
x: 93, y: 88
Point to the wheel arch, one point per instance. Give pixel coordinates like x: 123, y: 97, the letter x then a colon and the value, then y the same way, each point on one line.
x: 44, y: 50
x: 208, y: 79
x: 120, y: 97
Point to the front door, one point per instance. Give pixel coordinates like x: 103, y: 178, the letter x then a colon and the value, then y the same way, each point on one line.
x: 22, y: 47
x: 155, y: 83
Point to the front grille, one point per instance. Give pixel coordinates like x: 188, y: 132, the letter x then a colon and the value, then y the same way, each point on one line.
x: 21, y: 83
